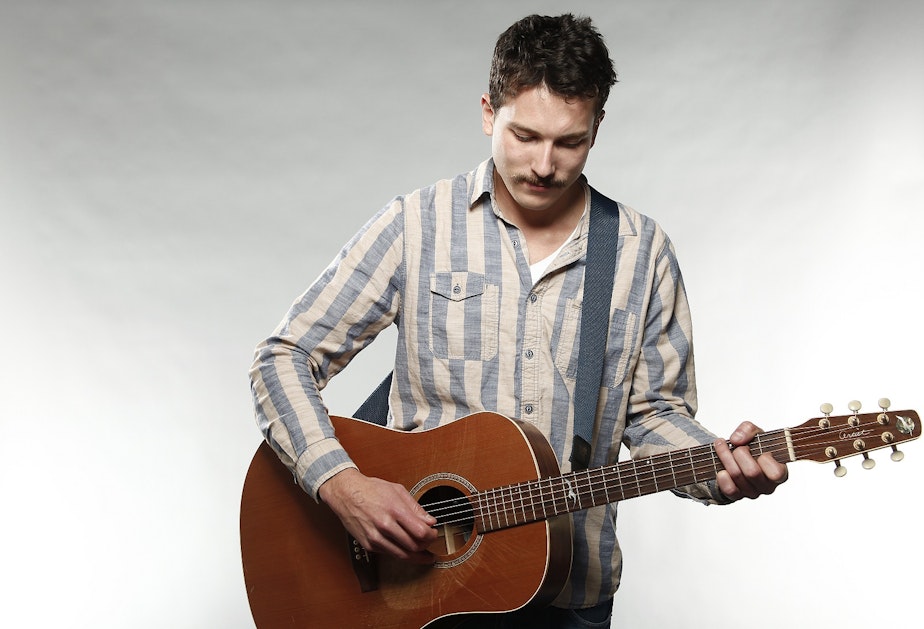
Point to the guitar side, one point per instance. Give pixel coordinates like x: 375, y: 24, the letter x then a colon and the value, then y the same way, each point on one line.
x: 298, y: 562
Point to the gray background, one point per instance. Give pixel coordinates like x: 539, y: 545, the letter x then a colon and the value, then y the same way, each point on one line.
x: 173, y: 174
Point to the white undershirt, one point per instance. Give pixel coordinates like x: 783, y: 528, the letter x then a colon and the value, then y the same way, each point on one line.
x: 538, y: 269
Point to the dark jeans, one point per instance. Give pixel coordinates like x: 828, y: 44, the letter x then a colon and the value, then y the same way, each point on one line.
x: 542, y: 618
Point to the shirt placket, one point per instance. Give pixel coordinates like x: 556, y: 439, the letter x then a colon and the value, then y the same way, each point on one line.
x: 530, y: 400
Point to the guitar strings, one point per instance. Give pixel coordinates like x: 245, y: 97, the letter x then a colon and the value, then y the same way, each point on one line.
x: 538, y: 499
x: 502, y: 500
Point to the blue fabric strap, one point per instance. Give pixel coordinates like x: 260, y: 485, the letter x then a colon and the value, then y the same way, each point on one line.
x: 599, y: 274
x: 375, y: 408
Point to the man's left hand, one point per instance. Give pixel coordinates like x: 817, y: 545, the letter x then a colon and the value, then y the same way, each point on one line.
x: 744, y: 476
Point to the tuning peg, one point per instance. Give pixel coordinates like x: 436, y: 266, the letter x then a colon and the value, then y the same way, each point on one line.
x: 854, y: 406
x: 839, y: 470
x: 883, y: 417
x: 826, y: 409
x: 868, y: 463
x: 897, y: 455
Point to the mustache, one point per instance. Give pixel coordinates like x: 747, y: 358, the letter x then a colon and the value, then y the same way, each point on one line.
x: 545, y: 182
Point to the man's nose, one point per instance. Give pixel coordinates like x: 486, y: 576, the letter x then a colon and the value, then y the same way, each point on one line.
x: 544, y: 160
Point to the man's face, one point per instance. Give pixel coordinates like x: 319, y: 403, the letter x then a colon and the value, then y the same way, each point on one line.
x: 540, y: 143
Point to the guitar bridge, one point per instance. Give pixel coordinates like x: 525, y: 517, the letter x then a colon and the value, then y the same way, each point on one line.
x: 363, y: 566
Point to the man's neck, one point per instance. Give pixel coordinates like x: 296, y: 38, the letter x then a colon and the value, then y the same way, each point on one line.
x: 543, y: 230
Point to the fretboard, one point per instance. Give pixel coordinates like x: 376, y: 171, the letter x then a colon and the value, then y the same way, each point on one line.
x: 517, y: 504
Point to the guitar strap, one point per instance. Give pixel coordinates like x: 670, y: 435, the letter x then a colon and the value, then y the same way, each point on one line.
x: 375, y: 408
x: 599, y: 274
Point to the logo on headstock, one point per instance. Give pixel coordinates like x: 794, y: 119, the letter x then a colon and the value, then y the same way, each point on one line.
x: 854, y: 435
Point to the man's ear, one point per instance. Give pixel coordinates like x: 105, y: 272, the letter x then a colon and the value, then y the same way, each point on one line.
x: 593, y: 138
x: 487, y: 115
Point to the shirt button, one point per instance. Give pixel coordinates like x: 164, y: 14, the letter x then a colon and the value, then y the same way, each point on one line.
x: 456, y: 289
x: 529, y: 409
x: 533, y: 297
x: 529, y: 353
x: 516, y: 243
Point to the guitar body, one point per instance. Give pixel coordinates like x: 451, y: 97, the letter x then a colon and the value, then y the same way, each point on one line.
x: 301, y: 569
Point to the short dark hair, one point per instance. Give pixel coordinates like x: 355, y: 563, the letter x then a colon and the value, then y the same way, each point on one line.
x: 565, y: 53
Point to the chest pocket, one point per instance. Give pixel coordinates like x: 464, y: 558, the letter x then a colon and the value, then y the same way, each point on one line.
x: 463, y: 316
x: 619, y: 350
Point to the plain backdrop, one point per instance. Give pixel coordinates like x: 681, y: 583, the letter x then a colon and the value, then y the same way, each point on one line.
x: 173, y: 174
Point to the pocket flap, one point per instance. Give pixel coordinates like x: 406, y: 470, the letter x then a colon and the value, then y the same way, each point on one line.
x: 457, y: 285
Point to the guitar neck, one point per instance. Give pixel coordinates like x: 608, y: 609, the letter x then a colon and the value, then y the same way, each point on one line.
x: 522, y: 503
x: 821, y: 439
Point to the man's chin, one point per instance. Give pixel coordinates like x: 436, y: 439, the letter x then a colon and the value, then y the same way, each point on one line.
x: 533, y: 199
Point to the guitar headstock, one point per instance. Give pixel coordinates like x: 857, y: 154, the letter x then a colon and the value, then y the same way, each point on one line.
x: 832, y: 438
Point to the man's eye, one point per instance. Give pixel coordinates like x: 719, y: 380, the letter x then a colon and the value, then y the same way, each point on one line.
x: 523, y: 138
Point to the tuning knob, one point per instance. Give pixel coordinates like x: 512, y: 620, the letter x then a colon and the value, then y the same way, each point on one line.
x: 839, y: 470
x: 889, y: 439
x: 868, y: 463
x: 855, y: 407
x: 883, y: 417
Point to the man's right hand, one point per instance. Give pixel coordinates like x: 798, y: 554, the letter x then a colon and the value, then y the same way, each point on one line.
x: 382, y: 516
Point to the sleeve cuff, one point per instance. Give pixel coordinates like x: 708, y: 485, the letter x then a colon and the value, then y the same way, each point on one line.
x: 319, y: 462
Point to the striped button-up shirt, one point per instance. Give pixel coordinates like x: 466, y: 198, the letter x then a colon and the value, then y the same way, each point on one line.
x: 476, y: 333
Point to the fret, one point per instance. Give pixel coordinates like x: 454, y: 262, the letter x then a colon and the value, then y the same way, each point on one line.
x: 590, y: 489
x: 494, y: 495
x: 564, y: 495
x: 635, y: 474
x: 603, y: 490
x: 670, y: 461
x: 607, y: 488
x: 654, y: 476
x: 622, y: 489
x: 523, y: 504
x: 541, y: 500
x: 479, y: 501
x: 618, y: 485
x: 692, y: 465
x: 534, y: 494
x: 514, y: 501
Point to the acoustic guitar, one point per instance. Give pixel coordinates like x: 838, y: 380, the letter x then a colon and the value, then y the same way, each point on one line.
x: 496, y: 490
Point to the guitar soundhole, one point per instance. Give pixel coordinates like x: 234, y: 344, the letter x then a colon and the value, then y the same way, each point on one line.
x: 455, y: 521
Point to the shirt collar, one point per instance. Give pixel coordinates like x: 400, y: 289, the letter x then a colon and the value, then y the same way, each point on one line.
x: 482, y: 182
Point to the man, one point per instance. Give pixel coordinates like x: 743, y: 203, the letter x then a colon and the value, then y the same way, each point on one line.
x: 483, y: 275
